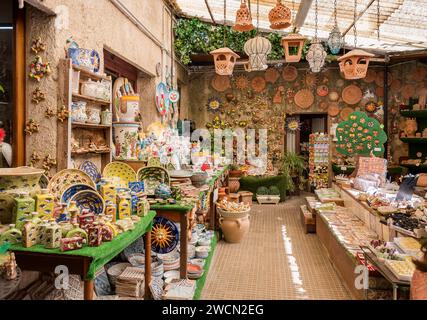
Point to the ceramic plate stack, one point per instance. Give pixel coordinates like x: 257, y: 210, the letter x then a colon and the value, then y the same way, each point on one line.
x: 116, y: 270
x: 194, y: 271
x: 67, y: 177
x: 191, y: 251
x: 170, y: 261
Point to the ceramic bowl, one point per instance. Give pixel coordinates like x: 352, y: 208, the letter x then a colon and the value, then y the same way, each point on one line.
x: 72, y: 190
x: 204, y: 241
x: 173, y: 274
x: 199, y: 262
x: 91, y: 170
x: 89, y: 199
x: 209, y: 234
x: 137, y: 260
x: 202, y: 252
x: 22, y: 179
x: 193, y: 268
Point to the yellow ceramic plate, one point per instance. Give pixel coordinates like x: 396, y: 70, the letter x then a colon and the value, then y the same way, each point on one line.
x: 67, y: 177
x: 120, y: 170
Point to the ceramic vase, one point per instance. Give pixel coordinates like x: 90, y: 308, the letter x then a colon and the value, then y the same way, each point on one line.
x: 234, y: 229
x: 125, y: 141
x: 233, y: 184
x: 17, y: 180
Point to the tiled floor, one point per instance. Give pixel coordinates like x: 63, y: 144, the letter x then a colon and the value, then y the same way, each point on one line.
x: 276, y: 260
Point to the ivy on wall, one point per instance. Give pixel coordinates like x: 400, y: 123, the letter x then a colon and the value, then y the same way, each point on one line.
x: 193, y: 36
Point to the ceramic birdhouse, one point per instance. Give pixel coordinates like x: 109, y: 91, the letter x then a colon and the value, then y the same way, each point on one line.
x: 292, y: 45
x: 280, y: 16
x: 224, y: 60
x: 243, y: 18
x: 354, y: 64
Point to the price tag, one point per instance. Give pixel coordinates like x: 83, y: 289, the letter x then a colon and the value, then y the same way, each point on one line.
x: 343, y: 168
x: 377, y: 149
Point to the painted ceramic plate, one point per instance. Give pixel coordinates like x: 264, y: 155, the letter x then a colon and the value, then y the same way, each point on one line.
x: 322, y: 90
x: 136, y: 186
x: 352, y: 94
x: 91, y: 169
x: 174, y: 96
x: 304, y: 98
x: 120, y: 170
x: 290, y: 73
x: 89, y: 199
x: 72, y: 190
x: 164, y: 235
x: 220, y: 83
x: 67, y: 177
x: 345, y: 113
x: 271, y: 75
x: 258, y: 84
x: 242, y: 82
x: 162, y: 98
x: 333, y: 109
x: 152, y: 177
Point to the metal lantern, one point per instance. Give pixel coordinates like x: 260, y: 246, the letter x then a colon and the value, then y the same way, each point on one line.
x: 280, y: 16
x: 355, y: 63
x: 224, y: 60
x: 292, y: 45
x: 316, y: 57
x: 257, y: 50
x: 335, y: 40
x: 243, y: 18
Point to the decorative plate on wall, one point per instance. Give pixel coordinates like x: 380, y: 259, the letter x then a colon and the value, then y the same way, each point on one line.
x: 322, y: 90
x: 91, y: 170
x: 89, y: 199
x: 120, y: 170
x: 164, y: 235
x: 67, y: 177
x: 371, y: 75
x: 304, y: 98
x: 220, y: 83
x: 290, y: 73
x: 162, y: 98
x: 323, y: 105
x: 72, y: 190
x: 310, y: 80
x: 352, y: 94
x: 271, y: 75
x: 333, y: 96
x: 214, y: 104
x: 345, y: 113
x: 333, y: 109
x: 340, y: 83
x: 408, y: 91
x: 258, y: 84
x: 242, y: 82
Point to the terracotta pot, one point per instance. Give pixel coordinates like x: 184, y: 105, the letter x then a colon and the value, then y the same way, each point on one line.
x: 235, y: 173
x: 234, y: 229
x: 233, y: 184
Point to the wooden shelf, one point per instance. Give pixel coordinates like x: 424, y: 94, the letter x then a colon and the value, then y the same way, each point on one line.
x: 414, y: 113
x: 89, y: 125
x: 90, y: 99
x: 91, y: 74
x: 414, y: 140
x: 89, y: 152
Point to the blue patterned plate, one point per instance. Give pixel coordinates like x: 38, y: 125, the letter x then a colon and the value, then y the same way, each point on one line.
x: 164, y: 235
x: 91, y: 170
x: 72, y: 190
x: 89, y: 199
x: 137, y: 186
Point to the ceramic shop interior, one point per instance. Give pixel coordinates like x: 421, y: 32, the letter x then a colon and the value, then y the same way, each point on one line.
x: 157, y: 161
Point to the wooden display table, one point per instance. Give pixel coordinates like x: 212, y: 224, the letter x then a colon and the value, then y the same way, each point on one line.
x: 86, y: 261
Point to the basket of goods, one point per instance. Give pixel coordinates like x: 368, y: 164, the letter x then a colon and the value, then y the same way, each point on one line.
x: 234, y: 220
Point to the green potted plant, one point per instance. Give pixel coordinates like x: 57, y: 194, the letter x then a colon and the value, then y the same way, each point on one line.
x: 293, y: 168
x: 266, y: 195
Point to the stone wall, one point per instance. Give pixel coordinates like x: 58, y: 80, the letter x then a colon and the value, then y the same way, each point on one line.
x: 98, y: 25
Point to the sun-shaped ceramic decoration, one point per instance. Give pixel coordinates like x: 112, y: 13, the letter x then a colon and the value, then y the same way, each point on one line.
x: 164, y: 235
x: 292, y: 124
x: 214, y: 104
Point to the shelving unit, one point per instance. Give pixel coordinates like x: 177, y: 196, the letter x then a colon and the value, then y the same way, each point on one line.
x: 319, y: 159
x: 416, y: 144
x: 68, y: 128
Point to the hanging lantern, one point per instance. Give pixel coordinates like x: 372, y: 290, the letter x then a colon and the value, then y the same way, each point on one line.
x: 257, y: 50
x: 243, y: 18
x: 293, y: 44
x: 316, y: 57
x: 335, y: 40
x: 224, y: 60
x: 280, y: 16
x: 355, y: 63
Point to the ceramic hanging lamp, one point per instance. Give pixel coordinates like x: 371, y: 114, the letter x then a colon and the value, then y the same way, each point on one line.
x: 316, y: 53
x: 280, y: 16
x: 243, y: 18
x: 354, y: 64
x: 224, y: 58
x: 293, y: 44
x: 335, y: 38
x: 257, y: 49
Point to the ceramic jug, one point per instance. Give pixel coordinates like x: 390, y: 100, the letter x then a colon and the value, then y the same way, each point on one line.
x: 234, y: 229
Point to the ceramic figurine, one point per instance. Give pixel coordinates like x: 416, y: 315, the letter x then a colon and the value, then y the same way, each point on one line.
x: 124, y: 207
x: 95, y: 235
x: 86, y: 219
x: 24, y: 206
x: 143, y: 207
x: 53, y: 236
x: 63, y: 114
x: 38, y: 69
x: 29, y: 234
x: 37, y: 45
x: 45, y: 204
x: 49, y: 113
x: 37, y: 96
x: 12, y: 235
x: 31, y: 127
x: 111, y: 210
x: 68, y: 244
x: 9, y: 268
x: 77, y: 232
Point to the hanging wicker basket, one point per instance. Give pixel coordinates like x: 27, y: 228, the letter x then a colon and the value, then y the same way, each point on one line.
x: 355, y: 63
x: 224, y: 60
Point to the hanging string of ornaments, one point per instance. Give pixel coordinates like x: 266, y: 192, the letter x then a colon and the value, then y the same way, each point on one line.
x: 353, y: 65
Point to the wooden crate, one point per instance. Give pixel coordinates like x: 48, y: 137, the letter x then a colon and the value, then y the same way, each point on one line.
x: 307, y: 219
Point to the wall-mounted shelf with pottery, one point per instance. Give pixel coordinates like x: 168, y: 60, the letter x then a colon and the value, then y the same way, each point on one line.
x: 87, y: 133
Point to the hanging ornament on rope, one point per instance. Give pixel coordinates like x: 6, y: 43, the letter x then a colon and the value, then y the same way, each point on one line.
x: 316, y: 53
x: 257, y: 49
x: 335, y: 38
x: 224, y: 58
x: 354, y: 64
x: 293, y: 43
x: 280, y: 16
x: 243, y: 18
